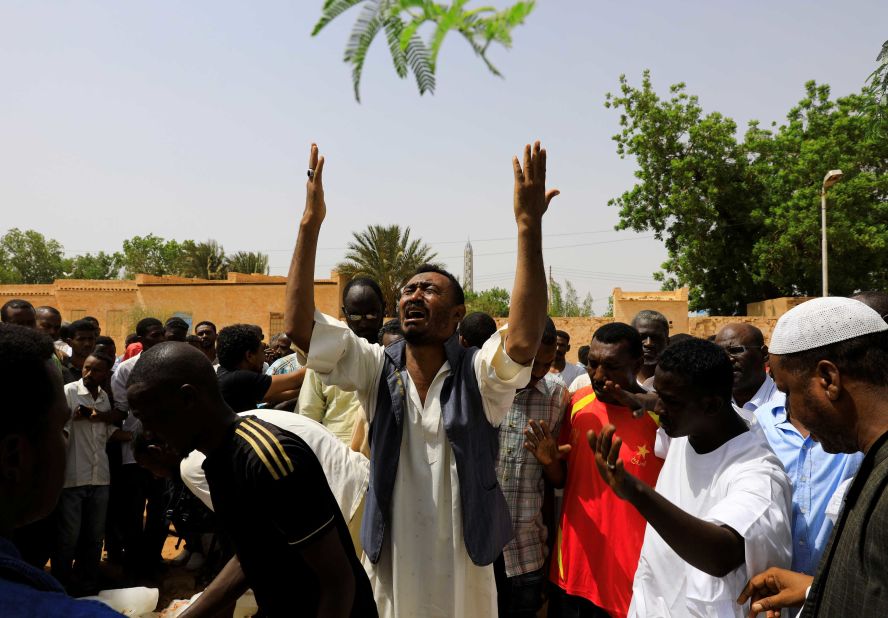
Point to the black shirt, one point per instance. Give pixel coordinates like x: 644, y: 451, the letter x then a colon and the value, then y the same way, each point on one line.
x: 242, y: 389
x: 272, y: 498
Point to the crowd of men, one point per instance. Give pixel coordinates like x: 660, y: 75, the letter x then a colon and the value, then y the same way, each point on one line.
x: 437, y: 465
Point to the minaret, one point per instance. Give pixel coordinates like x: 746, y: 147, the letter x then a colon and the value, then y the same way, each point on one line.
x: 468, y: 268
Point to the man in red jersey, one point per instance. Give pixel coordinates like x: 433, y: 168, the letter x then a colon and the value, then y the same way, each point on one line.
x: 599, y: 539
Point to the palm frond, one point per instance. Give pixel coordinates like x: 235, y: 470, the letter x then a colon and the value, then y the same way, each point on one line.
x: 394, y: 27
x: 333, y: 9
x: 420, y: 64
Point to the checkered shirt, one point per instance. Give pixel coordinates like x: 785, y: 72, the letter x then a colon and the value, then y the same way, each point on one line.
x: 521, y: 476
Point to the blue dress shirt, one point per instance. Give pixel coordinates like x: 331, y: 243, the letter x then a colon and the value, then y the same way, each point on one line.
x: 815, y: 476
x: 26, y: 592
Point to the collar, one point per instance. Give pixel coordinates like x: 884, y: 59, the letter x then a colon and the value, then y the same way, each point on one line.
x: 82, y: 390
x: 763, y: 394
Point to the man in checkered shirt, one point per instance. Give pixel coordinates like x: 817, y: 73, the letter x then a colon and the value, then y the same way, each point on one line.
x: 520, y: 576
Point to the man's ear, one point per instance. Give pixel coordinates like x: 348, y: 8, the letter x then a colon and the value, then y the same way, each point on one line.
x: 459, y: 312
x: 828, y: 378
x: 765, y: 356
x: 13, y: 455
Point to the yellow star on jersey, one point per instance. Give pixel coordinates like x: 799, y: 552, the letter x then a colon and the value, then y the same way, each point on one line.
x: 642, y: 451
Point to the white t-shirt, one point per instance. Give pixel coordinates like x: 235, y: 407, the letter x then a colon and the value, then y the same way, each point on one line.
x: 347, y: 472
x: 581, y: 381
x: 741, y: 485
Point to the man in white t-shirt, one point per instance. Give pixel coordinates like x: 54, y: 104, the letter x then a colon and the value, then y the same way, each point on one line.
x: 721, y: 508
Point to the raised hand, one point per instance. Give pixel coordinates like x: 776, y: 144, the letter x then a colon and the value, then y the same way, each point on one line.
x: 539, y: 441
x: 607, y: 459
x: 772, y: 590
x: 639, y: 403
x: 315, y: 207
x: 531, y: 197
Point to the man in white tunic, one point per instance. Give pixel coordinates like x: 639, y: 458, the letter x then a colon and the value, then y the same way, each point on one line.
x: 721, y: 509
x: 435, y: 517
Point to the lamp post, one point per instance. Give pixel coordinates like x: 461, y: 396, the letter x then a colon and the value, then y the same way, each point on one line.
x: 831, y: 178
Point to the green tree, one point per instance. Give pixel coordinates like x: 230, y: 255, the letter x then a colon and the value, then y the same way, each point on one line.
x: 99, y: 266
x: 387, y: 255
x: 564, y: 301
x: 203, y: 260
x: 877, y: 84
x: 401, y: 21
x: 248, y: 262
x: 740, y: 218
x: 30, y: 257
x: 494, y: 302
x: 152, y: 255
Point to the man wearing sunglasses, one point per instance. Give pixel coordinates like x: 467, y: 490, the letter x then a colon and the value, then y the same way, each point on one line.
x: 753, y: 387
x: 814, y: 473
x: 339, y: 410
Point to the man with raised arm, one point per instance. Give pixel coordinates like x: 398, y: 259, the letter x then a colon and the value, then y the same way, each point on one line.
x: 435, y: 518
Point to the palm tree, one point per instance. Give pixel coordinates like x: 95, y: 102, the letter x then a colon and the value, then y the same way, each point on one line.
x: 401, y: 20
x: 387, y: 255
x: 204, y: 260
x: 248, y: 262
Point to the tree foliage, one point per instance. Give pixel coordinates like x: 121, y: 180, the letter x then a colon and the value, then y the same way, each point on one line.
x: 95, y: 266
x: 877, y: 84
x: 387, y: 255
x: 565, y: 302
x: 29, y: 257
x: 203, y: 260
x: 494, y: 302
x: 152, y: 255
x: 248, y: 262
x: 401, y: 21
x: 740, y: 218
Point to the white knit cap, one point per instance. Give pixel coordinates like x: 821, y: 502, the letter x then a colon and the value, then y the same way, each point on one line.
x: 823, y: 321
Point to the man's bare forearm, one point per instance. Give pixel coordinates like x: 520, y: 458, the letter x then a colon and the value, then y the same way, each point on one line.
x: 706, y: 546
x: 222, y: 593
x: 527, y: 313
x: 299, y: 302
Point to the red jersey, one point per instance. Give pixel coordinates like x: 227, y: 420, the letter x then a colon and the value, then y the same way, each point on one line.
x: 600, y: 536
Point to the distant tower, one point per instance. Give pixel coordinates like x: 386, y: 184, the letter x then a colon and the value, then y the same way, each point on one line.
x: 468, y: 268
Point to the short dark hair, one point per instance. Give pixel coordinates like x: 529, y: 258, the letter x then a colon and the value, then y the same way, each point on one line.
x: 130, y: 339
x: 80, y: 325
x: 104, y: 357
x: 106, y: 341
x: 26, y: 380
x: 549, y: 333
x: 234, y: 342
x: 864, y: 358
x: 205, y: 323
x: 15, y: 303
x: 615, y: 332
x: 476, y: 328
x: 392, y: 327
x: 146, y: 324
x: 48, y: 309
x: 65, y: 331
x: 454, y: 282
x: 176, y: 323
x: 364, y: 282
x: 583, y: 354
x: 563, y: 334
x: 192, y: 339
x: 875, y: 300
x: 89, y: 318
x: 679, y: 337
x: 705, y: 365
x: 649, y: 315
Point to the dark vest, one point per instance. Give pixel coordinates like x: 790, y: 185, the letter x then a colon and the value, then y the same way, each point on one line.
x: 487, y: 526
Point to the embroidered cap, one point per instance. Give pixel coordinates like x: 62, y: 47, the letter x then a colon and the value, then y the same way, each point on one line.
x: 823, y: 321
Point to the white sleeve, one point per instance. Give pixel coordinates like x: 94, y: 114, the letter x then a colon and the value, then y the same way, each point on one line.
x: 341, y: 358
x: 758, y: 508
x: 194, y: 477
x: 499, y: 377
x: 118, y: 387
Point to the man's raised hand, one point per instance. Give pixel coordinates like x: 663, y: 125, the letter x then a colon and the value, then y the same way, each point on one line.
x: 606, y: 447
x: 538, y: 439
x: 531, y: 197
x: 315, y: 207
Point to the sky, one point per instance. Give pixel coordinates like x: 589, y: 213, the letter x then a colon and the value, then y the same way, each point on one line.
x: 194, y: 120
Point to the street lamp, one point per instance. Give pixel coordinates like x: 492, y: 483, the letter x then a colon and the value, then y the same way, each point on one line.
x: 831, y: 178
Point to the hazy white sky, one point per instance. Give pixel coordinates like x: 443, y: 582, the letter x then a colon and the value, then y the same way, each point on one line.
x: 193, y: 120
